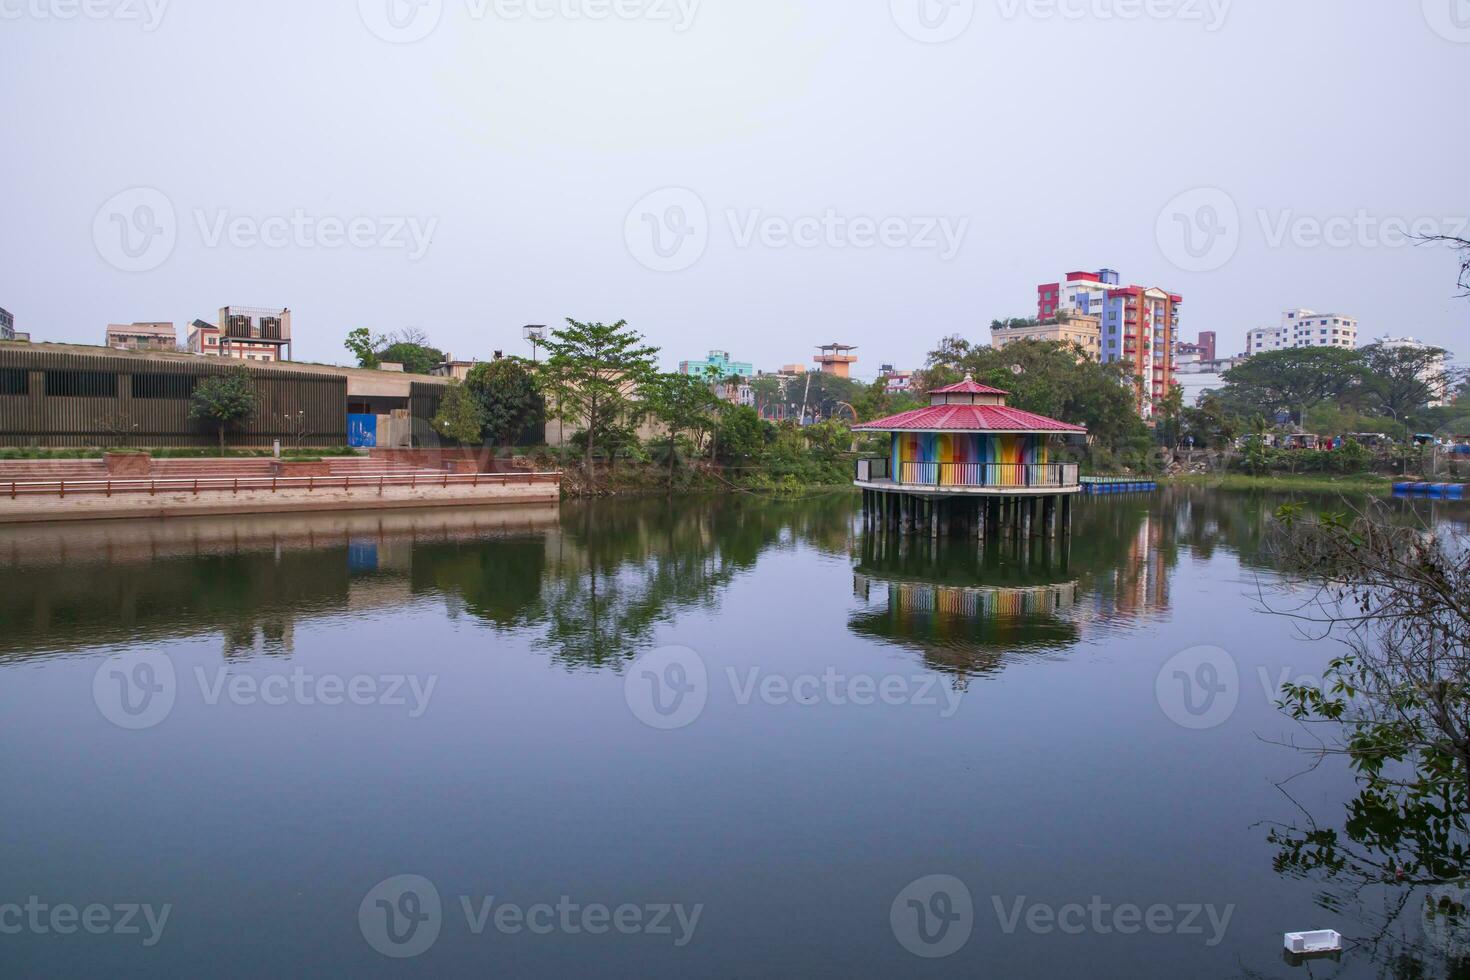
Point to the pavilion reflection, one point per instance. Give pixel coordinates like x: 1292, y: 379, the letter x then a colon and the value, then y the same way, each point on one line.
x: 968, y: 610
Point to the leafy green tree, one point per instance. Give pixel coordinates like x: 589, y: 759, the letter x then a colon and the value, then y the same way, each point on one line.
x: 594, y: 371
x: 683, y: 404
x: 459, y: 418
x: 415, y: 358
x: 1404, y: 379
x: 1050, y: 379
x: 224, y: 401
x: 509, y: 400
x: 744, y: 435
x: 408, y: 347
x: 364, y: 347
x: 1294, y: 379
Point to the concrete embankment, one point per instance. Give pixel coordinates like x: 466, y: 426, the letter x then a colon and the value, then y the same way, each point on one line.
x: 88, y: 491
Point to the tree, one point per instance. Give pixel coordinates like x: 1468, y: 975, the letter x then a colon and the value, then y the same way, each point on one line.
x: 1047, y: 378
x: 744, y: 435
x: 594, y: 370
x: 409, y: 347
x: 459, y: 418
x: 508, y: 398
x: 683, y: 404
x: 365, y: 347
x: 1289, y: 380
x: 224, y: 401
x: 1405, y: 379
x: 1397, y: 702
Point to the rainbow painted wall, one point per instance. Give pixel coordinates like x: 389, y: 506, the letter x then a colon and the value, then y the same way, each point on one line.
x: 964, y: 447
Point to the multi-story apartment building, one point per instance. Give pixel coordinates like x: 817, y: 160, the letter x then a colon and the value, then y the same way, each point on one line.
x: 155, y: 335
x: 244, y: 333
x: 1139, y: 325
x: 1305, y: 328
x: 1079, y: 329
x: 718, y: 363
x: 7, y: 325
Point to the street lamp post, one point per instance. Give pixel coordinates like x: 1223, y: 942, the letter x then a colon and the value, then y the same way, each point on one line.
x: 536, y: 334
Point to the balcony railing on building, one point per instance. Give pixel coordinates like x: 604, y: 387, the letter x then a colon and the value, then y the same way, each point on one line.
x: 1052, y: 476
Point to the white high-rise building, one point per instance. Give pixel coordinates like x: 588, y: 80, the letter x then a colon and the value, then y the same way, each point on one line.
x: 1305, y: 328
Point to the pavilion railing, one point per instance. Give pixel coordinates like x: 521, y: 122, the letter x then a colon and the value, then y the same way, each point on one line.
x: 979, y: 475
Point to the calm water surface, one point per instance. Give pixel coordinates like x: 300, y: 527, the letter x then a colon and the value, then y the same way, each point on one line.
x: 259, y: 722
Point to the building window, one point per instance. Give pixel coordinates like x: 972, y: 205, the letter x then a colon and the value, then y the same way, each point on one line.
x: 163, y: 386
x: 81, y: 384
x: 15, y: 381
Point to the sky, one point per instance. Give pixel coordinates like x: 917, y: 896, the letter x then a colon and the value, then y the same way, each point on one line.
x: 756, y: 176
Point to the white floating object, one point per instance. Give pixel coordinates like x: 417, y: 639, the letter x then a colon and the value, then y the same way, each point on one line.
x: 1307, y: 943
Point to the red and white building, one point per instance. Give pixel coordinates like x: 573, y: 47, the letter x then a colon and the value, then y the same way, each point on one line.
x: 244, y: 333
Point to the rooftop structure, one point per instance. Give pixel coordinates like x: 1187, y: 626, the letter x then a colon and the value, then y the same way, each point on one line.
x: 7, y: 325
x: 244, y: 333
x: 1082, y: 330
x: 155, y: 335
x: 836, y: 359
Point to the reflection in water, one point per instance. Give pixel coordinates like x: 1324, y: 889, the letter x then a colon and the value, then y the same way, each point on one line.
x: 968, y: 607
x: 590, y: 582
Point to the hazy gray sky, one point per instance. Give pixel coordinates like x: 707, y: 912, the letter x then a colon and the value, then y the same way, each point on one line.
x: 753, y: 175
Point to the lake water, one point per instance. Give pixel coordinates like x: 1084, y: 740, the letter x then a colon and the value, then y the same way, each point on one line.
x: 723, y: 737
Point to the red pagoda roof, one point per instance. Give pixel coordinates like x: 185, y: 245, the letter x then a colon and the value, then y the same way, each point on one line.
x: 968, y: 387
x: 968, y: 418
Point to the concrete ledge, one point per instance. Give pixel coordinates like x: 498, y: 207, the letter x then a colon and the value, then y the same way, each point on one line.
x: 97, y: 506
